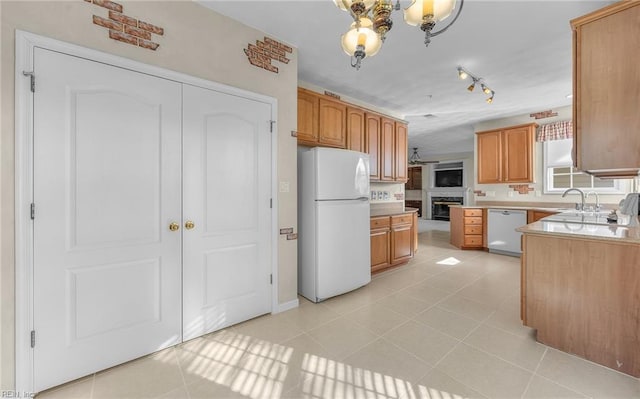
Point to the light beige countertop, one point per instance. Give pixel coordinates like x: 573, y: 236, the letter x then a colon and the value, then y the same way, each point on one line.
x: 392, y: 212
x: 629, y: 233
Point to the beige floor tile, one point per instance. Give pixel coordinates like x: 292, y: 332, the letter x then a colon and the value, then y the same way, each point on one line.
x: 404, y: 304
x: 522, y: 351
x: 208, y: 390
x: 446, y: 284
x: 453, y: 324
x: 363, y: 296
x: 143, y: 378
x: 302, y: 353
x: 422, y: 341
x: 426, y: 292
x: 542, y: 388
x: 383, y: 361
x: 273, y: 328
x: 377, y: 318
x: 509, y: 321
x: 437, y: 384
x: 342, y: 337
x: 466, y: 307
x: 587, y: 378
x: 178, y: 393
x: 310, y: 315
x: 485, y: 373
x: 78, y: 389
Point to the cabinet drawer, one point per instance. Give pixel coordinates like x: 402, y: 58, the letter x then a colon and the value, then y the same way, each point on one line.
x: 401, y: 219
x: 473, y: 241
x: 473, y: 230
x: 476, y: 221
x: 473, y: 212
x: 380, y: 222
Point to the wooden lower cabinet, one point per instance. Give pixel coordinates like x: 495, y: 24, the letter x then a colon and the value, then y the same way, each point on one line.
x: 467, y: 227
x: 535, y: 215
x: 380, y: 243
x: 394, y: 240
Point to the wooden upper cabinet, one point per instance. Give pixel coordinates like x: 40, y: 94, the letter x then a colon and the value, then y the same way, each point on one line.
x: 307, y: 117
x: 489, y: 157
x: 400, y: 152
x: 374, y: 137
x: 506, y: 155
x: 606, y: 79
x: 356, y: 133
x: 517, y: 154
x: 414, y: 181
x: 387, y: 150
x: 332, y: 117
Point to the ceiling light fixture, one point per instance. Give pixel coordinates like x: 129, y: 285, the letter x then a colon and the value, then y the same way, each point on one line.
x: 375, y: 16
x: 414, y: 159
x: 463, y: 74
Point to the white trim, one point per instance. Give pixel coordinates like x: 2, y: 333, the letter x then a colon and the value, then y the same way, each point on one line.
x: 25, y: 44
x: 283, y: 307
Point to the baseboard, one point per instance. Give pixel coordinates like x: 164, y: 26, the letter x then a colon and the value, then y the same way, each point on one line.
x: 282, y: 307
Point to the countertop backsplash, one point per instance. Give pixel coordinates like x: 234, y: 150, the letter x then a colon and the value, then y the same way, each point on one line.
x: 386, y: 192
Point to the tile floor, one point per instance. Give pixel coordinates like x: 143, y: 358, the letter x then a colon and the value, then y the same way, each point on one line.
x: 445, y: 326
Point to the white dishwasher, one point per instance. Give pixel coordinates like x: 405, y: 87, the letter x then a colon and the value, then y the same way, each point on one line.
x: 502, y: 236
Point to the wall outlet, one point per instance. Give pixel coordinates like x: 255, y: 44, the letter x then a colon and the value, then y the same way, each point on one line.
x: 510, y: 194
x: 491, y: 193
x: 284, y: 186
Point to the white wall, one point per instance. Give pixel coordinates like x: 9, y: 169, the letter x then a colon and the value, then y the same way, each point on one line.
x: 198, y: 42
x: 502, y: 192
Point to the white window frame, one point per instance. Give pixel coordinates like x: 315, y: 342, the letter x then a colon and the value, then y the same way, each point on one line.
x: 619, y: 186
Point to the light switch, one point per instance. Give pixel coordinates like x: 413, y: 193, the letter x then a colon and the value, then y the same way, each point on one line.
x: 284, y: 186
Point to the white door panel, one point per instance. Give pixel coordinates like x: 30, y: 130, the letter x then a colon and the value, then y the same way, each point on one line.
x: 227, y: 188
x: 107, y: 285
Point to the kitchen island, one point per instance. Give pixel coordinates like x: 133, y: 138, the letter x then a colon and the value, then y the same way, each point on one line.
x: 580, y: 289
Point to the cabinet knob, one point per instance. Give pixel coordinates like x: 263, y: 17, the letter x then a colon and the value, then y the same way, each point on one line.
x: 189, y: 225
x: 174, y: 226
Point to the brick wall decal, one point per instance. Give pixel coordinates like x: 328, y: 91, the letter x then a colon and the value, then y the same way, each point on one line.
x: 479, y: 193
x: 544, y: 114
x: 125, y: 28
x: 399, y: 196
x: 263, y: 52
x: 521, y: 188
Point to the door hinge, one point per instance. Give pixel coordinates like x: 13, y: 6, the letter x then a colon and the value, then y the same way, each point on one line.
x: 33, y: 211
x: 271, y: 279
x: 33, y: 338
x: 271, y: 203
x: 271, y: 126
x: 32, y: 76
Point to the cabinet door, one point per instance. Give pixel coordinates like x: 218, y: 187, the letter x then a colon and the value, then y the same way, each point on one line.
x: 380, y: 249
x: 332, y: 130
x: 307, y: 117
x: 606, y: 81
x: 517, y: 155
x: 401, y: 243
x: 373, y: 142
x: 400, y: 151
x: 415, y: 232
x: 417, y: 178
x: 387, y: 150
x: 489, y: 157
x: 356, y: 138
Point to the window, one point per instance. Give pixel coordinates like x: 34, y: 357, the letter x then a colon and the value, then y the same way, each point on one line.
x: 559, y: 173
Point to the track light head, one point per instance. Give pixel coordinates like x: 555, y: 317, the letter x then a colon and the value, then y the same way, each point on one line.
x: 462, y: 74
x: 472, y: 86
x: 485, y: 89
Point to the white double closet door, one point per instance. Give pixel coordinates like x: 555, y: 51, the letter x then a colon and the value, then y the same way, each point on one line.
x: 123, y: 161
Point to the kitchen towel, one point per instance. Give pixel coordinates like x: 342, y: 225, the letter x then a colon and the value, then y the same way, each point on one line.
x: 629, y: 205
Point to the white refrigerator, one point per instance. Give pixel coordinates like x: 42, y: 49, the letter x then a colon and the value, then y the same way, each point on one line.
x: 333, y: 222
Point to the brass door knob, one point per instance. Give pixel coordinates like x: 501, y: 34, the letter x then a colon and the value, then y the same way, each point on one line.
x: 189, y: 225
x: 174, y: 226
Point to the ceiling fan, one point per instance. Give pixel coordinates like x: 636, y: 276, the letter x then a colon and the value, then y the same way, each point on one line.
x: 414, y: 159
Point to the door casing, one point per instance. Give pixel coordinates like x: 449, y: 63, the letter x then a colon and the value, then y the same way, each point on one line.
x: 25, y: 44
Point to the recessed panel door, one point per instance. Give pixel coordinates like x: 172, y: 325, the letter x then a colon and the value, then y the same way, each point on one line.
x: 227, y: 214
x: 107, y: 272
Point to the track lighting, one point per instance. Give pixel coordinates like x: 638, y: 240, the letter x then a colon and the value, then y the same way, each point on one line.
x: 463, y: 74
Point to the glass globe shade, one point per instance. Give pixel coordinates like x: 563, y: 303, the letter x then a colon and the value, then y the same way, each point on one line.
x: 363, y: 35
x: 413, y: 15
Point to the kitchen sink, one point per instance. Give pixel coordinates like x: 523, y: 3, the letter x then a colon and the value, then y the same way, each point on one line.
x: 584, y: 217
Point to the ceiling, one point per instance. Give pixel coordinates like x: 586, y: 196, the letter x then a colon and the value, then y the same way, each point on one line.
x: 522, y: 50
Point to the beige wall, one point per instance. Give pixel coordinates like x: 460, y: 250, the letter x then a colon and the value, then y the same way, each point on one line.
x: 197, y: 42
x: 502, y: 192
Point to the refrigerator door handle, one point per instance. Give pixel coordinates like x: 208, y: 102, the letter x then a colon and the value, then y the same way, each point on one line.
x: 363, y: 198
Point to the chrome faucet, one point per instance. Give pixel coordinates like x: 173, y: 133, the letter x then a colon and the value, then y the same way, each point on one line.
x: 597, y: 206
x: 579, y: 206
